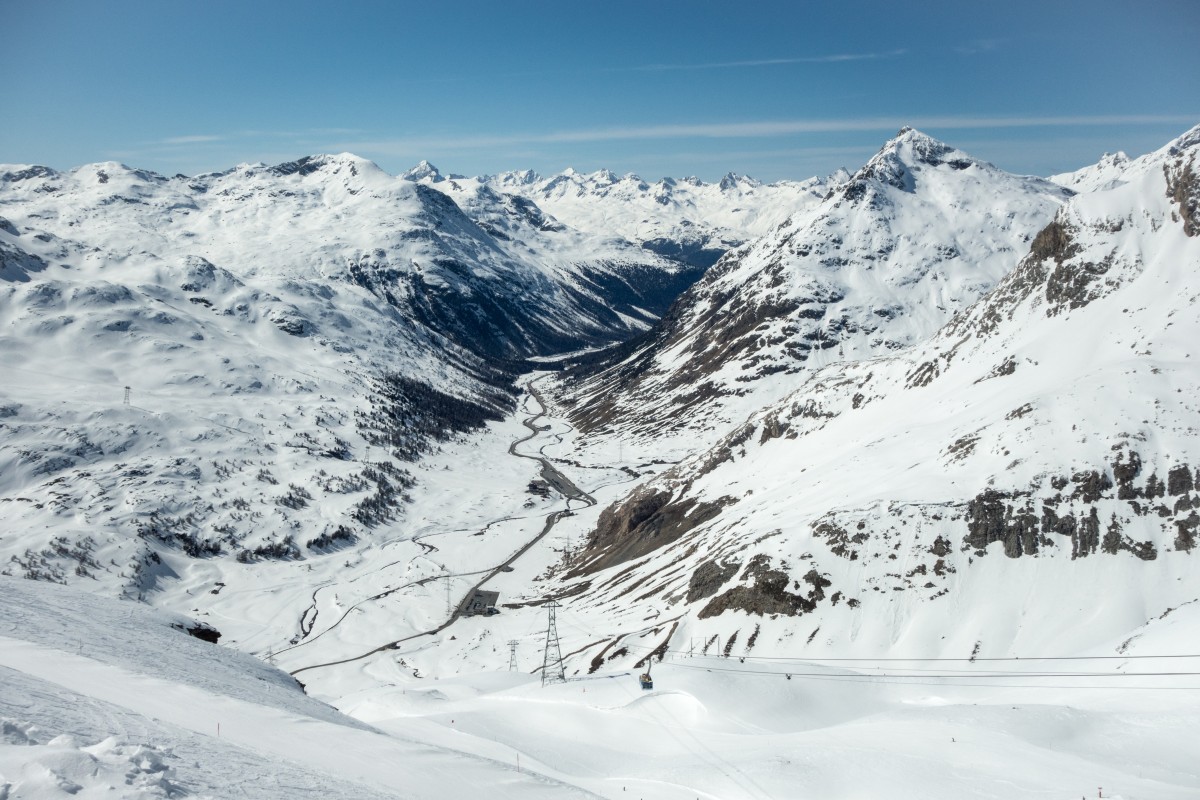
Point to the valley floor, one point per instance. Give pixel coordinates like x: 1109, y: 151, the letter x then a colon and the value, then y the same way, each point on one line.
x: 374, y: 630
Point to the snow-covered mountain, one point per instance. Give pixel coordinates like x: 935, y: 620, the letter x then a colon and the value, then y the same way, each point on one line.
x: 682, y: 218
x: 918, y: 233
x: 1025, y: 481
x: 605, y: 273
x: 273, y: 324
x: 342, y: 218
x: 1100, y: 175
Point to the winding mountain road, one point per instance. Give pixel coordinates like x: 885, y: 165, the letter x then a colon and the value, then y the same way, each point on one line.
x: 550, y: 474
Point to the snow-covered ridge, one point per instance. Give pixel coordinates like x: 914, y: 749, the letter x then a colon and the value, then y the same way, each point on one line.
x: 891, y: 253
x: 1038, y: 452
x: 680, y: 217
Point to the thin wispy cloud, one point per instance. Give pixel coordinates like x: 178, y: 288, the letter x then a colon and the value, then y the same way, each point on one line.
x: 193, y: 139
x: 256, y: 134
x: 976, y: 46
x: 734, y: 130
x: 765, y: 62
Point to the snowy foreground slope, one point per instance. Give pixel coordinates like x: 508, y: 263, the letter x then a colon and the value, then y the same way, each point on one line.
x: 102, y: 698
x: 889, y: 255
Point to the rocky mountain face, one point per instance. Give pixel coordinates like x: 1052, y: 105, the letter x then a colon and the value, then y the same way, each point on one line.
x: 292, y: 338
x: 917, y: 234
x: 1026, y: 479
x: 610, y: 278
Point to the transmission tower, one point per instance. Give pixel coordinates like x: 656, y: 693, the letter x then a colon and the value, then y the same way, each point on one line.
x: 512, y: 655
x: 552, y: 666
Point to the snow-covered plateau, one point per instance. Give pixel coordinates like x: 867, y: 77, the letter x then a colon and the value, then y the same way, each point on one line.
x: 899, y: 498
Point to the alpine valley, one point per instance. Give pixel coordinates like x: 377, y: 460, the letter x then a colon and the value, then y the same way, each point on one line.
x: 887, y: 482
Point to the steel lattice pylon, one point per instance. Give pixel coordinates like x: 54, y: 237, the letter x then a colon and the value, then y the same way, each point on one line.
x: 552, y: 666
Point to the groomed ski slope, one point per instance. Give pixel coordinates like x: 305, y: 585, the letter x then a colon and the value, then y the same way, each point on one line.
x: 220, y: 723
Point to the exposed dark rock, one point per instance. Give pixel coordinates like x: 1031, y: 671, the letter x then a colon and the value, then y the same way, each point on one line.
x: 963, y: 447
x: 1006, y: 367
x: 923, y: 374
x: 768, y: 594
x: 1114, y: 542
x: 818, y: 583
x: 200, y: 630
x: 647, y: 520
x: 1179, y: 480
x: 1183, y: 187
x: 773, y: 428
x: 1186, y: 529
x: 709, y: 577
x: 838, y: 539
x: 991, y: 518
x: 1090, y: 486
x: 1125, y: 469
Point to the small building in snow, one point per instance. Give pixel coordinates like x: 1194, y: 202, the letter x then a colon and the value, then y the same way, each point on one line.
x: 481, y: 602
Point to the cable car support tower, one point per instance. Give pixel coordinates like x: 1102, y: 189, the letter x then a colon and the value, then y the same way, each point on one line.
x: 552, y: 664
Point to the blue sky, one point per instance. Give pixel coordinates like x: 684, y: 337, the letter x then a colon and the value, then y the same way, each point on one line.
x: 770, y: 89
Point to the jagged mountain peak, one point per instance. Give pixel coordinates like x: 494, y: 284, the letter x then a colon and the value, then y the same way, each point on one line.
x: 1187, y: 141
x: 521, y: 177
x: 422, y: 171
x: 911, y: 157
x: 909, y: 150
x: 1118, y: 158
x: 731, y: 181
x: 14, y: 173
x: 1116, y: 169
x: 603, y: 176
x: 329, y: 163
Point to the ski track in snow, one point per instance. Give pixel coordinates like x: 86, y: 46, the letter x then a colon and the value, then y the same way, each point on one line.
x: 360, y: 756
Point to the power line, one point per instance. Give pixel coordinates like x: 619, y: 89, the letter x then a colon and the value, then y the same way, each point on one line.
x: 965, y: 658
x: 894, y: 676
x: 917, y: 659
